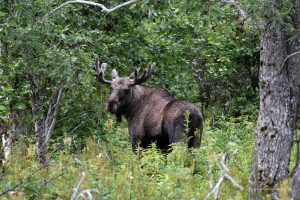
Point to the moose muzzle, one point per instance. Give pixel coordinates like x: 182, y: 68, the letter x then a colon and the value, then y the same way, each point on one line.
x: 112, y: 106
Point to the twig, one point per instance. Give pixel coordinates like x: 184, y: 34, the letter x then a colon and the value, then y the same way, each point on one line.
x: 76, y: 115
x: 32, y: 190
x: 51, y: 179
x: 104, y: 8
x: 288, y: 57
x: 74, y: 129
x: 22, y: 182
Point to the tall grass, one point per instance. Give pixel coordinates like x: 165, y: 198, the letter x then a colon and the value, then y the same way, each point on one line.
x: 113, y: 171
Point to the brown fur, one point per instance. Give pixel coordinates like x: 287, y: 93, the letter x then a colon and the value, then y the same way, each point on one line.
x: 153, y: 115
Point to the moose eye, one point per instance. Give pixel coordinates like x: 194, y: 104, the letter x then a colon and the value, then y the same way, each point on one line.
x: 110, y: 88
x: 126, y: 91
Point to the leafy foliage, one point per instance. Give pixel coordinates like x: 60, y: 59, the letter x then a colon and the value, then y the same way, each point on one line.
x: 205, y: 54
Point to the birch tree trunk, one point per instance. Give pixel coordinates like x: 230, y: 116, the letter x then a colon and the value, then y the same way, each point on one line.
x: 273, y: 130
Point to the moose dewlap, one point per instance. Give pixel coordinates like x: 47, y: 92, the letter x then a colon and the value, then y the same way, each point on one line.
x: 153, y: 115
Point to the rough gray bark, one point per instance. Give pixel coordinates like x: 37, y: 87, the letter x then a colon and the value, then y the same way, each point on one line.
x: 273, y: 130
x: 294, y: 66
x: 38, y: 122
x: 294, y: 78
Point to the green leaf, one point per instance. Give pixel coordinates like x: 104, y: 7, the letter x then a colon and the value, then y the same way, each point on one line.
x: 2, y: 108
x: 21, y: 106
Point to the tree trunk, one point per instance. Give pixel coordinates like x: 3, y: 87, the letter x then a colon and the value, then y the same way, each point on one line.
x: 294, y: 78
x: 39, y: 125
x: 44, y: 126
x: 273, y: 130
x: 293, y: 66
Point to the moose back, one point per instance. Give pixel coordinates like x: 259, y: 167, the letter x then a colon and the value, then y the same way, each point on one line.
x: 153, y: 115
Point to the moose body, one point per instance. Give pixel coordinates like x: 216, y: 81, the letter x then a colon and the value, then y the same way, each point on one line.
x: 153, y: 114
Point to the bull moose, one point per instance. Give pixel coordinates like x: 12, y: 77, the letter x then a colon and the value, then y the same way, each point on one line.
x: 153, y: 115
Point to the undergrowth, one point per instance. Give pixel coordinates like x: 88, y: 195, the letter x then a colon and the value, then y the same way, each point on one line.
x: 113, y: 171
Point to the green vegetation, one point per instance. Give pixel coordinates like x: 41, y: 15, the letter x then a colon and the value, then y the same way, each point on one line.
x: 115, y: 172
x: 206, y: 52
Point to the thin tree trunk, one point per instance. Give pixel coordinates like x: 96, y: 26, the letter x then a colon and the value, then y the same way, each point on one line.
x: 39, y: 125
x: 52, y: 114
x: 44, y: 126
x: 273, y: 130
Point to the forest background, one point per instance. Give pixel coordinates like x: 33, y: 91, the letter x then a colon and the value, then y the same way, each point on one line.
x: 206, y: 52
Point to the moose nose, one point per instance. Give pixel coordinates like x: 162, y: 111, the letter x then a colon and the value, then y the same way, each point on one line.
x: 112, y: 107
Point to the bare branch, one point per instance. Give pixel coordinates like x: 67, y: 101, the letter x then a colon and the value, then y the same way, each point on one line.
x: 224, y: 175
x: 239, y: 7
x: 76, y: 194
x: 77, y: 187
x: 288, y: 57
x: 51, y: 118
x: 88, y: 192
x: 103, y: 7
x: 243, y: 12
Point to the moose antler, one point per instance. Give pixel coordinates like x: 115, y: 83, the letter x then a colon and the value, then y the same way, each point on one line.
x: 145, y: 76
x: 100, y: 72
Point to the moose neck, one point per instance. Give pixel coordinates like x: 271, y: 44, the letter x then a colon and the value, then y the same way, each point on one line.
x: 138, y: 93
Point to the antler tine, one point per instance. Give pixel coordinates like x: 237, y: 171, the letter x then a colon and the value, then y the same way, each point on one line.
x: 135, y: 73
x: 145, y: 76
x: 100, y: 72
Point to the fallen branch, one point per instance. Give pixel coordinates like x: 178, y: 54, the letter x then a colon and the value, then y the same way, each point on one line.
x: 103, y: 7
x: 223, y: 166
x: 76, y: 194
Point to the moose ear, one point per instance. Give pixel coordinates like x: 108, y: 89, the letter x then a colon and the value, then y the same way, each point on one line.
x: 114, y: 74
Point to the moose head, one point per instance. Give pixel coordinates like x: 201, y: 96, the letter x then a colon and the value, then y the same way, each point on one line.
x: 121, y: 87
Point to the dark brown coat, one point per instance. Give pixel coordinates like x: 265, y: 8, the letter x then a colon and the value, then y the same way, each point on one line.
x: 153, y: 115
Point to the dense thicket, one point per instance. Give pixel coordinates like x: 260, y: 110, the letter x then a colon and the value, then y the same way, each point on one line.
x: 203, y: 50
x: 206, y: 52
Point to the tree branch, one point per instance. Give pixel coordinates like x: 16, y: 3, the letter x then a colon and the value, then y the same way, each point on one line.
x: 243, y: 12
x: 239, y: 7
x: 51, y: 118
x: 103, y: 7
x: 288, y: 57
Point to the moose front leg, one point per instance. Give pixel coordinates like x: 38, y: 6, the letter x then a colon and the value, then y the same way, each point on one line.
x: 135, y: 145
